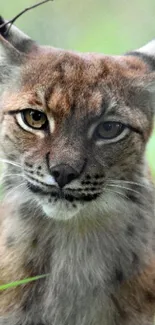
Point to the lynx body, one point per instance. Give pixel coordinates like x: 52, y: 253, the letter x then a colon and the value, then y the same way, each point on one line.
x: 78, y: 203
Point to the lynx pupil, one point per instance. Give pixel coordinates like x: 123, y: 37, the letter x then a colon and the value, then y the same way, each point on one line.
x: 36, y: 116
x: 35, y: 119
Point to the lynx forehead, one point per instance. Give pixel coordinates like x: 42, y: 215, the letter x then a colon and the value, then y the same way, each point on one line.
x: 72, y: 82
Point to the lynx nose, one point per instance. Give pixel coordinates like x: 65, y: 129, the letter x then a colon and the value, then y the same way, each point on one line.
x: 63, y: 174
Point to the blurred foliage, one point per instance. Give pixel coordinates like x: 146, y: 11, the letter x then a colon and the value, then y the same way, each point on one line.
x: 111, y: 27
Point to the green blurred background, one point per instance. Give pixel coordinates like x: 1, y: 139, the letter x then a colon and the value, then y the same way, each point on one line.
x: 111, y: 27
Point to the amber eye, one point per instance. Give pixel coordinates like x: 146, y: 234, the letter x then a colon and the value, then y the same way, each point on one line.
x: 35, y: 119
x: 109, y: 130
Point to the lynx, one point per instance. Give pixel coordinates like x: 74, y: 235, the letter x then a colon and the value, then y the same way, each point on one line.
x: 78, y: 201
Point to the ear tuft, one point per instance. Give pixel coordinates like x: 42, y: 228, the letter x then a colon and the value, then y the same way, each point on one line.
x: 3, y: 30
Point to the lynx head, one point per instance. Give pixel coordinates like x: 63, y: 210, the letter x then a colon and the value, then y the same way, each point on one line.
x: 73, y: 126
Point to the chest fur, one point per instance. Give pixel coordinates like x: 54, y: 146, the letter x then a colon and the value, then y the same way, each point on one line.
x: 85, y: 265
x: 85, y: 269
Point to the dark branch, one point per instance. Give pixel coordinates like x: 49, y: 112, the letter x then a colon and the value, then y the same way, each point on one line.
x: 11, y: 21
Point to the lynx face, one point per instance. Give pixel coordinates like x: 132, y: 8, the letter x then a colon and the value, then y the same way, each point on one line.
x: 76, y: 125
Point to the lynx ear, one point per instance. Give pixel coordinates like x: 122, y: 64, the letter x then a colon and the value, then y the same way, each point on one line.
x: 145, y: 80
x: 15, y: 47
x: 10, y: 61
x: 147, y: 54
x: 16, y: 38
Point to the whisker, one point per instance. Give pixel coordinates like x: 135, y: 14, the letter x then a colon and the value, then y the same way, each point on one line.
x: 15, y: 187
x: 119, y: 193
x: 112, y: 192
x: 10, y: 162
x: 128, y: 182
x: 26, y: 191
x: 12, y: 175
x: 124, y: 187
x: 8, y: 192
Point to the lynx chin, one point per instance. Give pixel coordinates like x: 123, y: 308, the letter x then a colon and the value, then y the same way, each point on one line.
x: 78, y: 199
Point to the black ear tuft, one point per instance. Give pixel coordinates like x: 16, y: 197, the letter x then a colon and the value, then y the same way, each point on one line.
x: 16, y: 38
x: 3, y: 30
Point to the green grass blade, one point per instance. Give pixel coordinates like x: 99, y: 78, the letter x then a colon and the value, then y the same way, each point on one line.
x: 20, y: 282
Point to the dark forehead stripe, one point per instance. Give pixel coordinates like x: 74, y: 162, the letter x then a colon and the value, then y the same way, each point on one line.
x: 34, y: 101
x: 58, y: 101
x: 59, y: 69
x: 104, y: 105
x: 58, y: 96
x: 68, y: 93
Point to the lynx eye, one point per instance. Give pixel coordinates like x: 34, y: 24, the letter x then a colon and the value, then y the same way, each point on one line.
x: 109, y: 130
x: 34, y: 119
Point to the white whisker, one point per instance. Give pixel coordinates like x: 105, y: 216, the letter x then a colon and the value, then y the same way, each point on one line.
x: 128, y: 182
x: 119, y: 193
x: 123, y: 187
x: 16, y: 187
x: 12, y: 175
x: 13, y: 190
x: 10, y: 162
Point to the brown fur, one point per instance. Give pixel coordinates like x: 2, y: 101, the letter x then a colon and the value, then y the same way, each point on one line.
x: 137, y: 295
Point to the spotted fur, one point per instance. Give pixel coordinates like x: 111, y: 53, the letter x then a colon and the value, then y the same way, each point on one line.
x: 93, y: 236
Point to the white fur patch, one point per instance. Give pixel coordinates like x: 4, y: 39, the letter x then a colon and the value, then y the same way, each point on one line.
x: 48, y: 179
x: 61, y: 210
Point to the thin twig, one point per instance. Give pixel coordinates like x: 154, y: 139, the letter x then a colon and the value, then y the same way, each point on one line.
x: 11, y: 21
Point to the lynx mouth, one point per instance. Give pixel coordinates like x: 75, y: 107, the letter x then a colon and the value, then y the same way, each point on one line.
x: 63, y: 195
